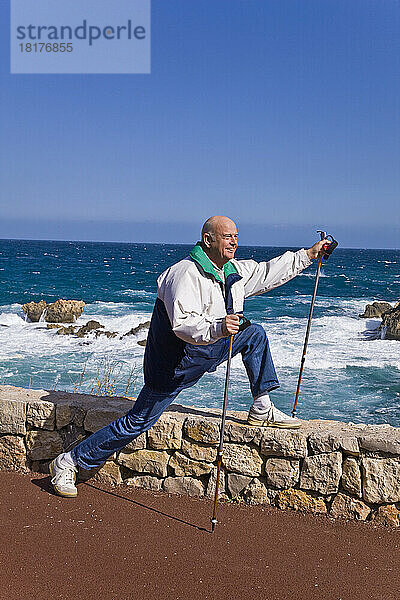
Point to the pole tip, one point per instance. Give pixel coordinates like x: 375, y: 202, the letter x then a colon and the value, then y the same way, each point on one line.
x: 213, y: 524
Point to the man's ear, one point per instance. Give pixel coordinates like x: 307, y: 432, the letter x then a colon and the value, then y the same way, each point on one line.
x: 207, y: 240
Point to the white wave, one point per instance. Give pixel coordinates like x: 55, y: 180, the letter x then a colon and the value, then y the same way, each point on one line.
x: 372, y: 324
x: 115, y: 316
x: 312, y: 275
x: 334, y: 343
x: 51, y: 352
x: 136, y: 293
x: 11, y: 320
x: 124, y: 323
x: 343, y: 306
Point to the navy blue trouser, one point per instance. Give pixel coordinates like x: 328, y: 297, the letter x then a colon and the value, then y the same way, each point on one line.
x: 253, y: 345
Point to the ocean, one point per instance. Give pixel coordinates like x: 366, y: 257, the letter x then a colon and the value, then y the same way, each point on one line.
x: 348, y: 376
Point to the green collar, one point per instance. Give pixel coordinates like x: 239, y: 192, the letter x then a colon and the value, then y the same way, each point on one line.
x: 198, y: 255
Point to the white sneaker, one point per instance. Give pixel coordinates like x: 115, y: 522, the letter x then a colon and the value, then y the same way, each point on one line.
x: 272, y: 417
x: 63, y: 480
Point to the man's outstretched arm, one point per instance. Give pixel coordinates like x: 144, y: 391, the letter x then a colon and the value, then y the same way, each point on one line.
x: 264, y: 276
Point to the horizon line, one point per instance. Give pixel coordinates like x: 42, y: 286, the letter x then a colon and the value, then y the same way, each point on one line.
x: 172, y: 244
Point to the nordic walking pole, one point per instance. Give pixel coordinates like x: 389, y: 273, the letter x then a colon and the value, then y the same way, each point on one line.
x: 245, y: 323
x: 325, y: 253
x: 303, y: 358
x: 221, y: 437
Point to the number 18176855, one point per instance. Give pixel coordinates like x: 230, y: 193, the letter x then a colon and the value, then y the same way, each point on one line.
x: 49, y: 47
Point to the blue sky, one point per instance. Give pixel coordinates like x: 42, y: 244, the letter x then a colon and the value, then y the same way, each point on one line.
x: 282, y: 114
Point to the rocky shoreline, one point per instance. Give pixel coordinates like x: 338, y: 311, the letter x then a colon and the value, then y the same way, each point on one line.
x: 67, y: 311
x: 389, y: 329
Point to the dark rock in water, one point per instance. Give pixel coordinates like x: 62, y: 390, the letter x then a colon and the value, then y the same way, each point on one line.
x: 60, y: 311
x: 96, y: 327
x: 138, y: 329
x: 66, y: 330
x: 391, y: 324
x: 142, y: 342
x: 376, y: 309
x: 34, y: 310
x: 84, y: 330
x: 90, y: 326
x: 108, y: 334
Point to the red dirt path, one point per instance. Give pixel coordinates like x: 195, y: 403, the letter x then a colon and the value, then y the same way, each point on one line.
x: 125, y: 543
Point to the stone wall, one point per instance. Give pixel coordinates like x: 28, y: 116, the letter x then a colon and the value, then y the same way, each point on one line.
x: 328, y: 467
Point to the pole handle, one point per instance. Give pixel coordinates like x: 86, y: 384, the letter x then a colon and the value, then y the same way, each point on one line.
x: 328, y: 248
x: 244, y: 323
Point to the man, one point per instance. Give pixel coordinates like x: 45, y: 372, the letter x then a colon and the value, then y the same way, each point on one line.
x: 198, y: 307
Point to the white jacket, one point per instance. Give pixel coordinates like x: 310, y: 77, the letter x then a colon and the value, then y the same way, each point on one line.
x: 194, y: 298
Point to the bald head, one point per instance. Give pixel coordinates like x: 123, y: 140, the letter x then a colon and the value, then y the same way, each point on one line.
x: 219, y: 239
x: 216, y: 224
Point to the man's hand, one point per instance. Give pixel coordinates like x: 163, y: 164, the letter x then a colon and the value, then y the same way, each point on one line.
x: 230, y: 325
x: 316, y: 250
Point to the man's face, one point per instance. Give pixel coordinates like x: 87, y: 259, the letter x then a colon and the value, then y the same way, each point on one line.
x: 222, y: 242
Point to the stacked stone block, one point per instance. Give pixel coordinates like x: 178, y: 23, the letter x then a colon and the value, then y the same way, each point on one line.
x: 344, y: 470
